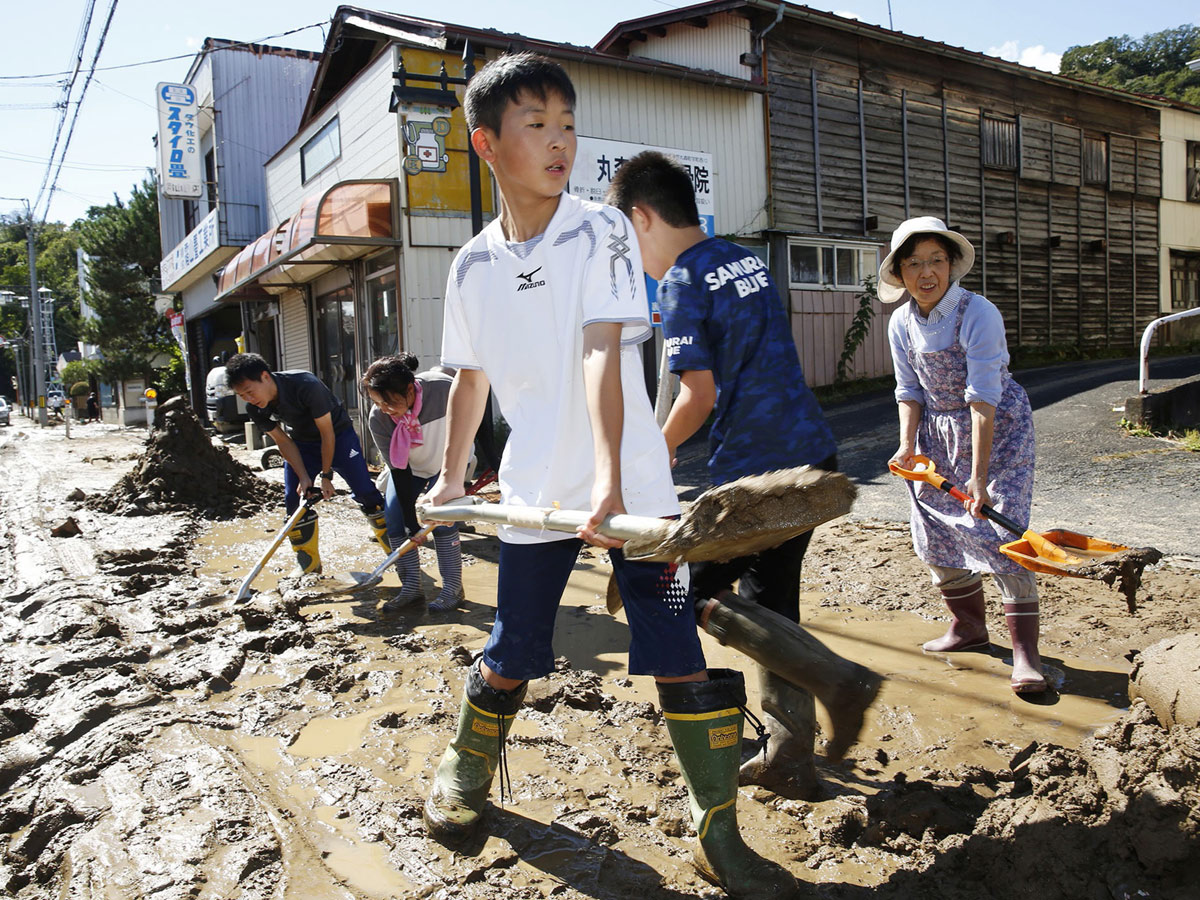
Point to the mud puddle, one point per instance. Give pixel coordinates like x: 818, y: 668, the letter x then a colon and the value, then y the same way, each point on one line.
x: 588, y: 751
x: 157, y: 739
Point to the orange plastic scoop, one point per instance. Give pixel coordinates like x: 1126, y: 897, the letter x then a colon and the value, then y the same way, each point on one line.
x: 1034, y: 551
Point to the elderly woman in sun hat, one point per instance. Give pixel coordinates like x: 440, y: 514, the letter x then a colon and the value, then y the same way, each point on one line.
x: 960, y: 407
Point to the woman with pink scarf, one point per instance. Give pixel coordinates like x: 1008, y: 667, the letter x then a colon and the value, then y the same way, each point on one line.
x: 408, y: 426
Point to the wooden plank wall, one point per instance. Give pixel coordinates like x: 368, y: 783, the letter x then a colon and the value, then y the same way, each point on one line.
x: 1066, y: 262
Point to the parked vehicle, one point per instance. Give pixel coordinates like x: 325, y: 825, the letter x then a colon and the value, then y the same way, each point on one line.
x: 5, y: 412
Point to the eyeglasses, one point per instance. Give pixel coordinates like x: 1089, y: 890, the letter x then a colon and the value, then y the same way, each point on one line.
x: 915, y: 265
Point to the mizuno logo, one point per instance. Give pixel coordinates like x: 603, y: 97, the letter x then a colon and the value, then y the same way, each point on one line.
x: 528, y: 281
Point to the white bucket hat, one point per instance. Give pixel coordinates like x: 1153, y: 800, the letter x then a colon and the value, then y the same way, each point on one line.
x: 891, y: 288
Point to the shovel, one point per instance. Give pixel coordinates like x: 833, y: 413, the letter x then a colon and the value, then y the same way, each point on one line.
x: 1085, y: 557
x: 310, y: 500
x: 726, y: 522
x: 1041, y: 546
x: 362, y: 581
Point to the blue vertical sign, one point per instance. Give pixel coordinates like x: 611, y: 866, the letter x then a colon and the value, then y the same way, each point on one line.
x: 179, y: 172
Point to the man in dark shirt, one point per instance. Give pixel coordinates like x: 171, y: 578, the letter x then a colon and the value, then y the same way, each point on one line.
x: 314, y: 434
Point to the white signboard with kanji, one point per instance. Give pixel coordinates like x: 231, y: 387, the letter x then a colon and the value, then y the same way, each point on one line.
x: 597, y: 160
x: 179, y: 160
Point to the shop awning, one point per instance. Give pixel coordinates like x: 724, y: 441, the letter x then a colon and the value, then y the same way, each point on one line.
x: 347, y: 221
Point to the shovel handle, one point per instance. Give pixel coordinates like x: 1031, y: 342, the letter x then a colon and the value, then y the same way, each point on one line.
x: 928, y: 473
x: 620, y: 526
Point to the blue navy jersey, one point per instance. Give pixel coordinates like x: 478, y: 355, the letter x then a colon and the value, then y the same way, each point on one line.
x: 722, y: 312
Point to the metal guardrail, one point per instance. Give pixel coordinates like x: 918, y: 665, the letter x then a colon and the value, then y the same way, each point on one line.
x: 1144, y: 368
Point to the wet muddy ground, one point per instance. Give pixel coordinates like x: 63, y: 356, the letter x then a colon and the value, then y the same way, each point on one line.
x: 159, y: 740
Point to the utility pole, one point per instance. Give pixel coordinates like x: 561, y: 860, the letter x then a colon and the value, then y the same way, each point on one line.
x: 35, y: 307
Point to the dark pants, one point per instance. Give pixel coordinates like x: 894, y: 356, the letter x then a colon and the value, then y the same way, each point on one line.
x: 770, y: 578
x: 348, y: 461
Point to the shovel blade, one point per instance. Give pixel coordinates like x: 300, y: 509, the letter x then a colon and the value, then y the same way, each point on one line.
x: 1080, y: 547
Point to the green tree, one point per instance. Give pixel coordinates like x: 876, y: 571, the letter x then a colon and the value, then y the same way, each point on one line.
x: 122, y: 243
x: 54, y: 246
x: 1153, y: 64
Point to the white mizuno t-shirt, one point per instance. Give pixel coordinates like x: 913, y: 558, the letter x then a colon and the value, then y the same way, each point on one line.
x: 517, y: 312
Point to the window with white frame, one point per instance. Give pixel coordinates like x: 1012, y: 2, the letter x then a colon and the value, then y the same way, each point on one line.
x: 829, y: 265
x: 320, y: 150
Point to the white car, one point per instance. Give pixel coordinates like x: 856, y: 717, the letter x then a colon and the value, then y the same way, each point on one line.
x: 5, y: 412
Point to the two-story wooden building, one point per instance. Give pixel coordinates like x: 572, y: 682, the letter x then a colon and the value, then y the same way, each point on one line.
x: 1055, y: 181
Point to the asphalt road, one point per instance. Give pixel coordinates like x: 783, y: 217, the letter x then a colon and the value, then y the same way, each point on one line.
x: 1091, y: 477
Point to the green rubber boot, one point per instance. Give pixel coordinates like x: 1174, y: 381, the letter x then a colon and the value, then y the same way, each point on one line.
x: 375, y: 516
x: 704, y: 719
x: 464, y: 776
x: 304, y: 542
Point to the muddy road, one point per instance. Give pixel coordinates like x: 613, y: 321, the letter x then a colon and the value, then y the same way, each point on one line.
x: 158, y: 740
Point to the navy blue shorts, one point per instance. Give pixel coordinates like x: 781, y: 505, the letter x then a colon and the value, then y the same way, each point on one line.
x: 658, y: 603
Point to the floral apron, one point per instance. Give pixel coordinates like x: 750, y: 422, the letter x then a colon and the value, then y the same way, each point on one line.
x: 944, y: 532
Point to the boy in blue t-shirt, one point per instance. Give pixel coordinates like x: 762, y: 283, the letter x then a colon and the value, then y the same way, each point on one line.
x: 728, y: 340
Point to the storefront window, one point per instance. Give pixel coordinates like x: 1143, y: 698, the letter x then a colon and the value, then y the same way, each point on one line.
x: 383, y: 301
x: 335, y: 338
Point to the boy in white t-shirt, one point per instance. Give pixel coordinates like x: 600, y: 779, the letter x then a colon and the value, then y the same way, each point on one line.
x: 546, y: 306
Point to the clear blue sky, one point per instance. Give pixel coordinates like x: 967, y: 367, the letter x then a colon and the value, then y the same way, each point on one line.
x: 111, y: 144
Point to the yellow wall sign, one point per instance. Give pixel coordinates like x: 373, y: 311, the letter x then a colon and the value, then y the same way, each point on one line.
x: 436, y: 146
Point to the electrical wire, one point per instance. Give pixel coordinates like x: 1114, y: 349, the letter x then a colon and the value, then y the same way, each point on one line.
x: 85, y: 26
x: 112, y: 9
x: 41, y: 160
x: 232, y: 45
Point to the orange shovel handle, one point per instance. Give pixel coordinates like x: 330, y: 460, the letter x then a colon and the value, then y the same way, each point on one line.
x: 928, y: 473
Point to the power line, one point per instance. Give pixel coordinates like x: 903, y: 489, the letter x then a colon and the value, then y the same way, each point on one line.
x: 233, y: 45
x: 41, y: 160
x: 112, y: 9
x: 68, y: 86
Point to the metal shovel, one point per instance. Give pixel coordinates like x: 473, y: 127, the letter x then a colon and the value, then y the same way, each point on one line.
x: 726, y: 522
x: 310, y: 500
x: 362, y: 580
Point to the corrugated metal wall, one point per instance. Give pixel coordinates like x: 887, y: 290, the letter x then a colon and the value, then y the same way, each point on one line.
x: 293, y: 329
x: 261, y: 98
x: 630, y: 106
x: 717, y: 47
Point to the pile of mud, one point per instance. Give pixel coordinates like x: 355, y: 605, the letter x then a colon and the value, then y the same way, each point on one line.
x: 183, y: 471
x: 1119, y: 818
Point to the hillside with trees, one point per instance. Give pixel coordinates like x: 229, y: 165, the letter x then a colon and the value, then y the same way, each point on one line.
x: 1152, y: 64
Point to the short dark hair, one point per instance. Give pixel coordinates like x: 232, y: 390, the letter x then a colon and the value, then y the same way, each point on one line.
x: 658, y: 181
x: 504, y: 79
x: 389, y: 376
x: 244, y: 367
x: 909, y: 246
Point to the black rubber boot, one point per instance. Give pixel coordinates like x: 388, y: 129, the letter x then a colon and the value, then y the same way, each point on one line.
x: 785, y: 763
x: 704, y: 719
x: 844, y: 688
x: 464, y: 776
